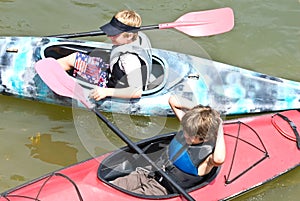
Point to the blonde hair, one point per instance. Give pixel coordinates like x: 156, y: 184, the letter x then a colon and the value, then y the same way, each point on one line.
x: 130, y: 18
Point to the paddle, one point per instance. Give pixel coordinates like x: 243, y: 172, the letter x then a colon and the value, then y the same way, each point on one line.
x: 200, y: 23
x: 61, y: 83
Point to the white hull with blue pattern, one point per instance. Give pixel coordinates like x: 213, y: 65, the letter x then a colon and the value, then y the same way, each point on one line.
x: 230, y: 89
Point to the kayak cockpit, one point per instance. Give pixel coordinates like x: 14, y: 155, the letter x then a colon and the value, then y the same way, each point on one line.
x: 126, y: 160
x: 158, y: 76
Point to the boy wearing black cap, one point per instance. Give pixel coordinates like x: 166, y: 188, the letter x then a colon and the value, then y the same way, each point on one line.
x: 130, y: 60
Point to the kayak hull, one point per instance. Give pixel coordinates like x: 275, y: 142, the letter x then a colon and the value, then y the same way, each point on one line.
x: 258, y: 149
x: 229, y: 89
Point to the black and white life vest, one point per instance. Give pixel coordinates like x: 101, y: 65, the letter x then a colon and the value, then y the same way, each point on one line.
x: 140, y: 47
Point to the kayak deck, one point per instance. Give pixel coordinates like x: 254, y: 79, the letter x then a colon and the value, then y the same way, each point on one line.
x: 258, y: 149
x: 227, y: 88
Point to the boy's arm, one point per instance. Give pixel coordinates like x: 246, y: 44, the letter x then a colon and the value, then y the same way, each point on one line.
x: 218, y: 157
x: 67, y: 62
x: 180, y: 105
x: 99, y: 93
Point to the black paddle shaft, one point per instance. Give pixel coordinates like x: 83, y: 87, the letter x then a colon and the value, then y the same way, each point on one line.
x: 99, y: 32
x: 139, y: 151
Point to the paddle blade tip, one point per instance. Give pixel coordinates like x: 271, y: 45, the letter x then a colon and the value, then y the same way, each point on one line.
x: 56, y: 78
x: 204, y: 23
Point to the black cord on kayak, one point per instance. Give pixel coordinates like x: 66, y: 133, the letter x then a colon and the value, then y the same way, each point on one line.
x: 238, y: 139
x: 6, y: 196
x: 64, y: 176
x: 293, y: 126
x: 20, y: 196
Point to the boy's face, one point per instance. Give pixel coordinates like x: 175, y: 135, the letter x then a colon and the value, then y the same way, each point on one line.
x: 119, y: 39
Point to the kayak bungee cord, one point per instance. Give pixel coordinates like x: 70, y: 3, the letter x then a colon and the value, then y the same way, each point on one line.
x: 238, y: 139
x: 284, y: 134
x: 7, y: 195
x: 19, y: 196
x: 66, y: 177
x: 293, y: 126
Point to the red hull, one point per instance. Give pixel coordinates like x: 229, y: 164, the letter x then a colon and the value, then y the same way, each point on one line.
x: 282, y: 156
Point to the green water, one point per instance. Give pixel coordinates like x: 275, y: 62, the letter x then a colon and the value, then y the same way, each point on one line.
x: 39, y: 138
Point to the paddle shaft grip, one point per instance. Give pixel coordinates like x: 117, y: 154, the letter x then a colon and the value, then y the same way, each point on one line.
x: 81, y: 34
x: 99, y: 32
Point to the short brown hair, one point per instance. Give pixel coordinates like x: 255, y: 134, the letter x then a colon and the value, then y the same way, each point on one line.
x: 201, y: 121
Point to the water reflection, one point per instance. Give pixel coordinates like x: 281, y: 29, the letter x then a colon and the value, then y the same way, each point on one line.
x: 43, y: 147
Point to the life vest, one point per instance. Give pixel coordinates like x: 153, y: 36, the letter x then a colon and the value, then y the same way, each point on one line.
x: 181, y: 161
x: 140, y: 47
x: 190, y: 157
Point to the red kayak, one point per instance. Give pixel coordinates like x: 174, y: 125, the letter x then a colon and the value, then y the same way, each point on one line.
x: 259, y: 149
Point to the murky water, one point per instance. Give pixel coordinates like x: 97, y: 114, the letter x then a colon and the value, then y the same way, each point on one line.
x: 38, y: 138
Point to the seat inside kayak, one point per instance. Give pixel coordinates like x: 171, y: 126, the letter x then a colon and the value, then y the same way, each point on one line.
x: 124, y: 161
x: 158, y: 76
